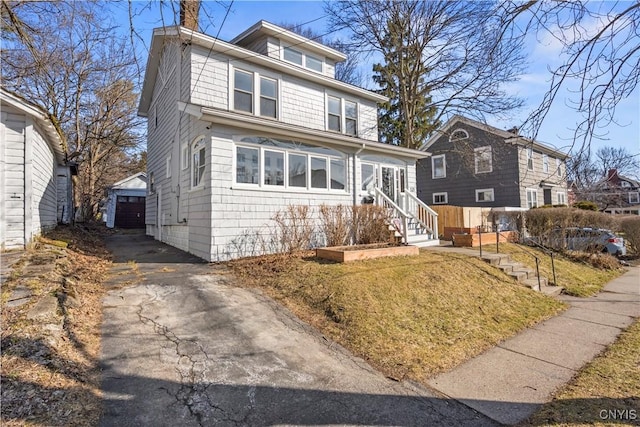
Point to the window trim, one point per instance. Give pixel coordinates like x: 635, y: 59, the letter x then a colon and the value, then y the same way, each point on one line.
x: 446, y: 198
x: 558, y: 167
x: 535, y: 191
x: 545, y: 163
x: 485, y: 190
x: 476, y: 158
x: 252, y: 93
x: 167, y: 166
x: 564, y: 197
x: 256, y: 95
x: 342, y: 117
x: 451, y: 137
x: 260, y: 96
x: 530, y: 158
x: 303, y: 58
x: 195, y: 165
x: 184, y: 161
x: 637, y: 197
x: 444, y: 167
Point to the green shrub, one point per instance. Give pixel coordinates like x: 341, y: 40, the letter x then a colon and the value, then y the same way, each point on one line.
x: 586, y: 205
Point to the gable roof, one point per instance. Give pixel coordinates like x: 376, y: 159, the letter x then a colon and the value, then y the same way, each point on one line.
x: 264, y: 28
x: 509, y: 138
x: 40, y: 116
x: 213, y: 44
x: 135, y: 181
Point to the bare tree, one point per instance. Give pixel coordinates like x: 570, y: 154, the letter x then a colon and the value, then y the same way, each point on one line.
x: 460, y: 63
x: 600, y: 49
x: 66, y: 57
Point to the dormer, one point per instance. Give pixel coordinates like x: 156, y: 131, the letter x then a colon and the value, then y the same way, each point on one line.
x: 279, y: 43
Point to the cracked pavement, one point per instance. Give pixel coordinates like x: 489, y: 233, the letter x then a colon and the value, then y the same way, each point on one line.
x: 182, y: 346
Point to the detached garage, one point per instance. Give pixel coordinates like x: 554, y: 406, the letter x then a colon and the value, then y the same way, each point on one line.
x: 125, y: 205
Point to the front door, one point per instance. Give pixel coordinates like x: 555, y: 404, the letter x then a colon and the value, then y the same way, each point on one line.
x: 547, y: 196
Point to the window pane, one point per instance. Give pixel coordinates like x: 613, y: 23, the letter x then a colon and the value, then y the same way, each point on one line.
x: 242, y: 101
x: 338, y: 175
x: 267, y: 107
x: 368, y: 180
x: 334, y: 106
x: 483, y: 159
x: 438, y: 167
x: 273, y: 168
x: 334, y: 123
x: 318, y: 173
x: 292, y: 55
x: 247, y: 166
x: 351, y: 127
x: 350, y: 109
x: 244, y: 81
x: 313, y: 63
x: 297, y: 170
x: 268, y: 87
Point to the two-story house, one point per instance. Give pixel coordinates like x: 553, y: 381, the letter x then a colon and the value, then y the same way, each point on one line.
x: 476, y: 165
x: 614, y: 193
x: 239, y: 130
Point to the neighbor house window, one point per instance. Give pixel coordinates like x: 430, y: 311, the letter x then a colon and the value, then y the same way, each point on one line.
x: 558, y: 167
x: 438, y: 167
x: 484, y: 195
x: 440, y: 198
x: 530, y: 159
x: 483, y: 160
x: 152, y: 183
x: 268, y: 97
x: 243, y: 91
x: 562, y: 198
x: 532, y: 198
x: 185, y: 157
x: 459, y: 134
x: 293, y: 55
x: 634, y: 198
x: 545, y: 163
x: 168, y: 167
x: 334, y: 114
x: 267, y: 162
x: 199, y: 161
x: 350, y: 118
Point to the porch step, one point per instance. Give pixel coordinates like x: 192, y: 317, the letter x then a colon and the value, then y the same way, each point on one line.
x: 423, y: 241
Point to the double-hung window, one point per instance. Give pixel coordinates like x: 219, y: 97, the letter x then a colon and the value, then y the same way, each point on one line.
x: 268, y: 97
x: 545, y: 163
x: 562, y: 198
x: 198, y: 163
x: 438, y: 167
x: 350, y: 118
x: 243, y: 91
x: 485, y: 195
x: 530, y: 159
x: 558, y: 167
x: 634, y: 198
x: 532, y: 198
x: 440, y: 198
x: 334, y: 114
x: 483, y: 160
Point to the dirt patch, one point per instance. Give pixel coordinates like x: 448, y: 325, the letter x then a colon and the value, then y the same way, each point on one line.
x: 51, y: 316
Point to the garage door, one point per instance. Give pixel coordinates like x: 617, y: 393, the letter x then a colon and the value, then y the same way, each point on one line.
x: 130, y: 212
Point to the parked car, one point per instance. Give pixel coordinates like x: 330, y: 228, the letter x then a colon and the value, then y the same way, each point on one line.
x: 587, y: 240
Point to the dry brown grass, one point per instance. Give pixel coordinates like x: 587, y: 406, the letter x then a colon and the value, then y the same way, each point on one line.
x: 50, y: 372
x: 412, y: 317
x: 609, y: 383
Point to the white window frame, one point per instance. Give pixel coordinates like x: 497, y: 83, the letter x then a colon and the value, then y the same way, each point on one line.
x: 444, y: 202
x: 481, y: 151
x: 625, y: 184
x: 453, y: 138
x: 535, y: 204
x: 433, y: 167
x: 636, y: 199
x: 558, y: 167
x: 545, y: 163
x: 260, y: 96
x: 196, y: 180
x: 256, y: 95
x: 530, y: 159
x: 297, y: 51
x: 303, y: 60
x: 485, y: 191
x: 342, y: 119
x: 168, y: 166
x: 287, y: 186
x: 252, y: 93
x: 185, y: 157
x: 561, y: 197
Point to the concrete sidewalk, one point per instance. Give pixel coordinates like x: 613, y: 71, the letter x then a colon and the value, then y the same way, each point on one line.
x: 510, y: 381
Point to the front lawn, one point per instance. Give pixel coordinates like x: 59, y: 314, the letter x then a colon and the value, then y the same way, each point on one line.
x: 411, y: 317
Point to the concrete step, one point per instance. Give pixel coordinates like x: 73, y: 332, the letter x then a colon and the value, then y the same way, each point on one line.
x: 552, y: 291
x: 496, y: 259
x: 533, y: 283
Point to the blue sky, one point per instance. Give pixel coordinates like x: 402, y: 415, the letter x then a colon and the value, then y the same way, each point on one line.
x: 543, y: 52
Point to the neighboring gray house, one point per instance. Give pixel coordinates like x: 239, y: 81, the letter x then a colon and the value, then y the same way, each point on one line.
x: 239, y: 130
x: 36, y: 185
x: 476, y: 165
x: 125, y: 205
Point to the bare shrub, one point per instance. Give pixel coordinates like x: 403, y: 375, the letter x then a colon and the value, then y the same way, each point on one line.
x: 370, y: 224
x: 335, y: 223
x: 294, y: 228
x: 631, y: 228
x: 600, y: 261
x: 251, y: 243
x: 540, y: 222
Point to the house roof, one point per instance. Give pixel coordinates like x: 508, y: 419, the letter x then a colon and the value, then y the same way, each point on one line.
x: 218, y: 46
x: 263, y: 126
x: 264, y: 28
x: 136, y: 181
x: 40, y: 116
x: 508, y: 137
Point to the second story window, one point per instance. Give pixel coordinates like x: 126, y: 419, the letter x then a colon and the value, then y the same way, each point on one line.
x: 198, y: 164
x: 558, y: 167
x: 243, y: 91
x: 483, y: 160
x: 293, y: 55
x: 351, y: 118
x: 530, y: 159
x: 268, y: 97
x: 334, y: 119
x: 313, y: 63
x: 545, y: 163
x: 438, y: 167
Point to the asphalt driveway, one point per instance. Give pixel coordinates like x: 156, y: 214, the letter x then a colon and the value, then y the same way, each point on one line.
x: 182, y: 346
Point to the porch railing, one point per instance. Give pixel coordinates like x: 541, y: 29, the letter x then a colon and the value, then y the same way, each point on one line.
x: 397, y: 214
x: 421, y: 212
